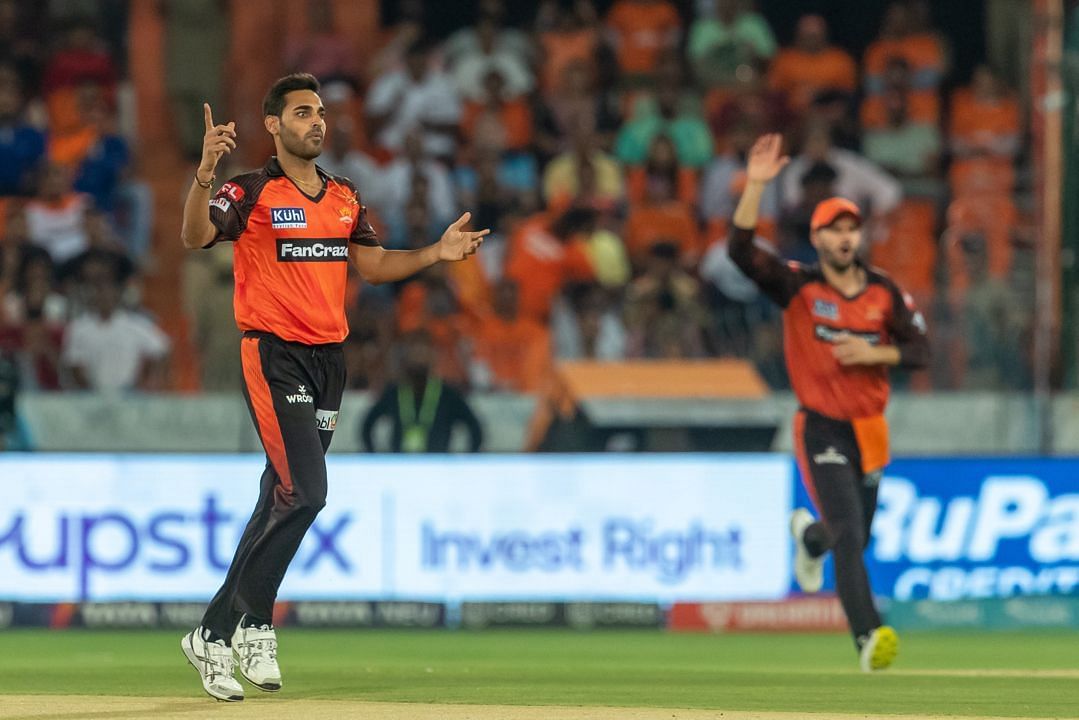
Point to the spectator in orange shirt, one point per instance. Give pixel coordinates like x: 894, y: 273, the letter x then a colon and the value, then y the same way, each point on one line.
x: 510, y: 352
x: 812, y: 65
x: 496, y: 121
x: 545, y: 254
x: 921, y: 51
x: 640, y: 30
x: 985, y: 118
x: 662, y: 216
x: 566, y: 36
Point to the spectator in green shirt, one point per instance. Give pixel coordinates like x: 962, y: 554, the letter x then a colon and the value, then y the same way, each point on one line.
x: 733, y: 37
x: 668, y: 115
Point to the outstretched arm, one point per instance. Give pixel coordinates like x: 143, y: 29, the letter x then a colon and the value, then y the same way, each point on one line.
x: 219, y: 140
x: 378, y: 265
x: 776, y: 278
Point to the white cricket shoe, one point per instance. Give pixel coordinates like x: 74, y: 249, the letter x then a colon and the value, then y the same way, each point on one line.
x: 878, y: 649
x: 257, y: 649
x: 808, y: 570
x: 215, y: 664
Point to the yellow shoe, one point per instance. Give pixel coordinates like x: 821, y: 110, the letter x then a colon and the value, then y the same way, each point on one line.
x: 879, y: 649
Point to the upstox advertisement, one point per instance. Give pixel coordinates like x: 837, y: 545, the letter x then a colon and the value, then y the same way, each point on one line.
x: 950, y: 529
x: 598, y: 527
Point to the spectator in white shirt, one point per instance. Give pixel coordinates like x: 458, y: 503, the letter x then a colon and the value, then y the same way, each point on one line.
x: 110, y: 348
x: 472, y: 66
x: 874, y: 191
x: 343, y: 159
x: 413, y: 174
x: 56, y: 218
x: 415, y: 96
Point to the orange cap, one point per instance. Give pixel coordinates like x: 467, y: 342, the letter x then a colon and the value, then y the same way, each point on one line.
x: 830, y: 210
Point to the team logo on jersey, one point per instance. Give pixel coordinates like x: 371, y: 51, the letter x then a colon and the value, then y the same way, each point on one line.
x: 221, y: 204
x: 232, y: 191
x: 825, y: 309
x: 345, y: 215
x: 288, y: 218
x: 312, y: 250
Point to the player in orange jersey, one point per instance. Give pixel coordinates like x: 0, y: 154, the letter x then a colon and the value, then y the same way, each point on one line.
x: 294, y: 228
x: 844, y: 325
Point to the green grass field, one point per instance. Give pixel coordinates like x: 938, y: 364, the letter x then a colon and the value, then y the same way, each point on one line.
x: 979, y: 675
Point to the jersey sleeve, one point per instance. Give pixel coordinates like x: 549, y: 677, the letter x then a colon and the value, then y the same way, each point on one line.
x: 362, y: 231
x: 230, y: 208
x: 778, y: 279
x: 908, y: 330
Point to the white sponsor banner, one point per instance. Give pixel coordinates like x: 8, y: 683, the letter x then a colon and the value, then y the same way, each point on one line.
x: 597, y: 527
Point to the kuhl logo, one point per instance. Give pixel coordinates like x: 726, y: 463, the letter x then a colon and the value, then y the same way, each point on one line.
x: 286, y: 218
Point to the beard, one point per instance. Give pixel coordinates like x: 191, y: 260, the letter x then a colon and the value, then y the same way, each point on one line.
x: 301, y: 147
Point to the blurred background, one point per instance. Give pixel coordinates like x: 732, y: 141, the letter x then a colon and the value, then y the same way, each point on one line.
x: 603, y: 142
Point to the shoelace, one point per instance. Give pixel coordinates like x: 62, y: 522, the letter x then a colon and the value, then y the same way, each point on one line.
x: 262, y: 648
x: 219, y: 661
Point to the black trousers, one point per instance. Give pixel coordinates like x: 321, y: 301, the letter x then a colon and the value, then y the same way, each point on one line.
x: 294, y: 394
x: 830, y: 462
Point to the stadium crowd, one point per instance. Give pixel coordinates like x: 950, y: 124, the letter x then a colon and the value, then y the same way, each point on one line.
x: 605, y: 150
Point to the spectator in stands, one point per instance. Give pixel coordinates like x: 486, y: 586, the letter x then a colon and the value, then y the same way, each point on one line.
x: 491, y: 53
x: 547, y: 253
x: 722, y: 43
x: 664, y: 312
x: 56, y: 217
x: 324, y: 51
x: 812, y: 65
x: 577, y: 104
x: 666, y: 116
x: 34, y: 290
x: 749, y: 100
x: 110, y: 347
x: 985, y: 119
x: 662, y: 166
x: 586, y: 325
x: 724, y: 180
x: 662, y: 216
x: 430, y: 302
x: 566, y: 36
x: 873, y: 190
x: 562, y: 180
x: 919, y: 50
x: 640, y: 31
x: 414, y: 175
x: 490, y: 27
x: 422, y: 408
x: 907, y: 149
x: 9, y: 387
x: 510, y: 352
x: 207, y: 296
x: 22, y: 146
x: 816, y: 184
x: 415, y: 97
x: 368, y: 347
x: 342, y: 158
x: 83, y: 59
x: 923, y: 106
x: 497, y: 121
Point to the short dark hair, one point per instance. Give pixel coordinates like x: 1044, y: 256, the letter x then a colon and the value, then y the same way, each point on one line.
x: 274, y: 102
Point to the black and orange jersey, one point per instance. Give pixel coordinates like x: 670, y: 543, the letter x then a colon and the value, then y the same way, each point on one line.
x: 815, y: 314
x: 291, y: 252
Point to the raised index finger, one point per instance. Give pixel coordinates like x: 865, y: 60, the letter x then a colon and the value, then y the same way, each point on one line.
x: 207, y: 116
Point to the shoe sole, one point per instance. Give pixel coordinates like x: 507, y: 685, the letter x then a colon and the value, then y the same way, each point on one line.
x: 189, y: 653
x: 884, y: 649
x: 265, y: 687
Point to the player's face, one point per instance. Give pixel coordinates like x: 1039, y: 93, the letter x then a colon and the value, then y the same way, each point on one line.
x: 303, y: 124
x: 838, y: 244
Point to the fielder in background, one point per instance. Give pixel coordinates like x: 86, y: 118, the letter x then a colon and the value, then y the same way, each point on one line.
x: 844, y: 325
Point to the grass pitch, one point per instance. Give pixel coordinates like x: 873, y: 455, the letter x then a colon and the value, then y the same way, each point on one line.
x: 499, y: 673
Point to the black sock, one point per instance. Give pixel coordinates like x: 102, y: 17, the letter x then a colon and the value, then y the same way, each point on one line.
x: 210, y: 636
x: 816, y: 539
